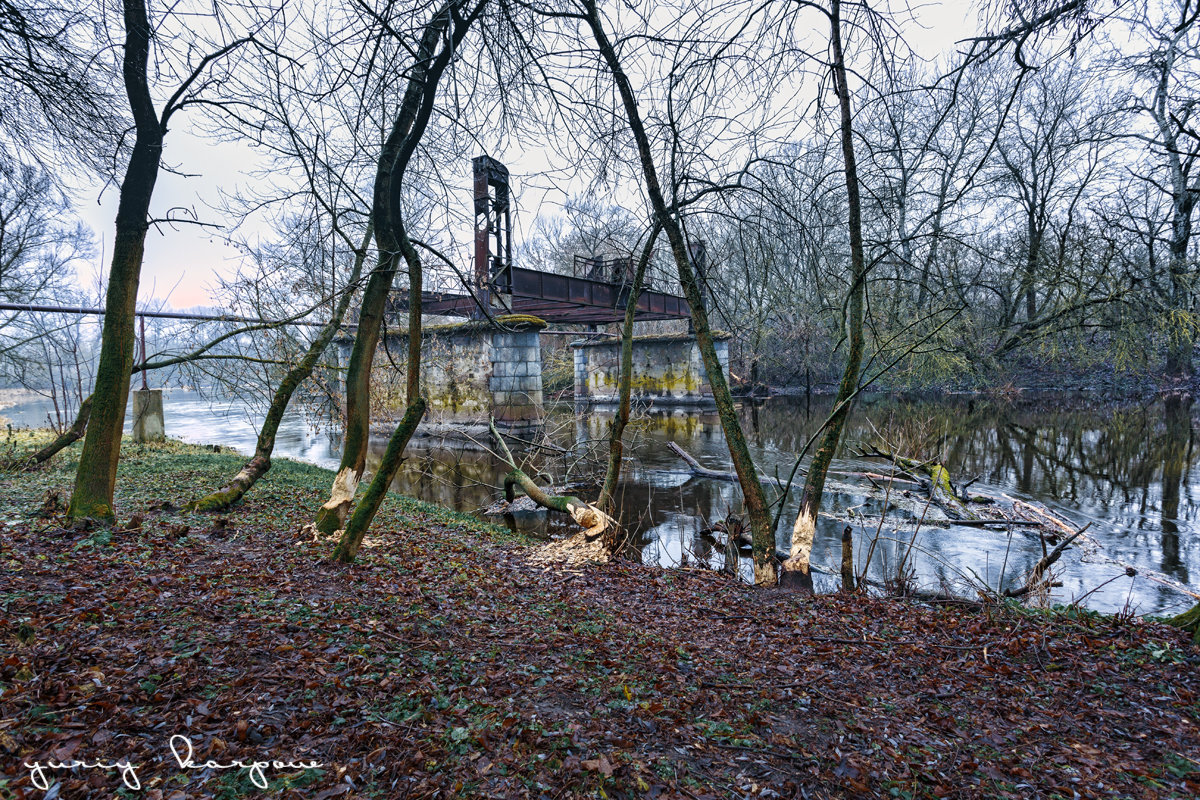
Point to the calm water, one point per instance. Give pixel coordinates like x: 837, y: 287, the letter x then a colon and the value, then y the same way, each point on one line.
x: 1127, y: 468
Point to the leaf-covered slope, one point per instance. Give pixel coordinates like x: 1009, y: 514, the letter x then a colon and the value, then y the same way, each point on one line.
x: 445, y: 663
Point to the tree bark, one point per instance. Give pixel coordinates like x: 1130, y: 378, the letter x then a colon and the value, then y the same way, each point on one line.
x: 406, y: 132
x: 351, y: 540
x: 95, y: 479
x: 260, y: 463
x: 796, y: 572
x: 394, y: 242
x: 752, y: 491
x: 1181, y: 333
x: 616, y: 431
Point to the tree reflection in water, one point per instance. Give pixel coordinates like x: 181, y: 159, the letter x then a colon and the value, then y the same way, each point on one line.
x: 1125, y: 467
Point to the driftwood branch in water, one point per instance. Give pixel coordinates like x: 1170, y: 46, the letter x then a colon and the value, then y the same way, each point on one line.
x: 594, y: 521
x: 701, y: 471
x: 1037, y: 576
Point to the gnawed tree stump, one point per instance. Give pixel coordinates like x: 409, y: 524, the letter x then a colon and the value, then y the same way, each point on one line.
x: 598, y: 539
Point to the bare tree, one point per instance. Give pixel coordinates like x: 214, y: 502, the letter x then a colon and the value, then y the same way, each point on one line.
x: 56, y: 103
x: 440, y: 39
x: 1165, y: 98
x: 96, y: 476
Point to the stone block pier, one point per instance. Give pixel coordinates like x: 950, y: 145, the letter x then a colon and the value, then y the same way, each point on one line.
x: 471, y: 371
x: 667, y: 369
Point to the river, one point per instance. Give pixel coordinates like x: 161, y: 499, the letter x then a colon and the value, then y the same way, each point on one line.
x: 1126, y: 467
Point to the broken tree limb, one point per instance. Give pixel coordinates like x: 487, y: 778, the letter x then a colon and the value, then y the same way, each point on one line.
x: 1096, y: 552
x: 701, y: 471
x: 937, y: 480
x: 594, y: 521
x: 1037, y: 576
x: 1045, y: 518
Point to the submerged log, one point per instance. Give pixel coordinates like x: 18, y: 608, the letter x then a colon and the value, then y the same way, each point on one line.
x: 936, y: 481
x: 1037, y: 580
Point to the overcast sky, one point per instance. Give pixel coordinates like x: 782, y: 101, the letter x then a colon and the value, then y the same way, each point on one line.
x: 183, y: 263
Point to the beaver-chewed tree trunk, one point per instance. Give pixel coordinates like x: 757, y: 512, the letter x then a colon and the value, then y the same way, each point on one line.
x: 260, y: 463
x: 616, y: 432
x: 394, y: 242
x: 796, y: 568
x: 739, y: 452
x: 432, y: 57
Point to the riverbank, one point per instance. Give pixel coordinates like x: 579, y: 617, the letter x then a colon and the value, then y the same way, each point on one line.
x: 448, y: 662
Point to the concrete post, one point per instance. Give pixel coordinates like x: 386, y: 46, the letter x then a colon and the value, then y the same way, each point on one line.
x: 148, y: 416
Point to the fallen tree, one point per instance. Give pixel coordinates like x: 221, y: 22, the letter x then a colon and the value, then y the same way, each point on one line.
x: 934, y: 478
x: 600, y: 533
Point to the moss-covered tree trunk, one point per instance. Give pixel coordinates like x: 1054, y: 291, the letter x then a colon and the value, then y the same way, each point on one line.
x: 260, y: 463
x: 95, y: 479
x: 401, y: 143
x: 796, y: 572
x: 394, y: 242
x: 752, y: 491
x: 356, y: 529
x: 616, y: 431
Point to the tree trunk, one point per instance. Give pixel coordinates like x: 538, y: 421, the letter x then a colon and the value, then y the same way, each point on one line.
x: 258, y: 466
x: 752, y: 491
x: 406, y: 131
x: 393, y: 242
x: 95, y: 479
x: 1181, y: 332
x: 356, y: 529
x: 616, y: 431
x: 796, y: 568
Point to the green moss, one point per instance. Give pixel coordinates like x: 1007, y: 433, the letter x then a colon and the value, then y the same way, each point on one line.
x: 504, y: 323
x: 611, y: 339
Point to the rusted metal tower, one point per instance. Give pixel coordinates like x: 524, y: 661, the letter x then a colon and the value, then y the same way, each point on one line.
x: 493, y: 228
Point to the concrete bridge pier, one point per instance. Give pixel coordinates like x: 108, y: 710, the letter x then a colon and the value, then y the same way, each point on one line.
x: 667, y: 369
x: 471, y: 371
x: 148, y: 416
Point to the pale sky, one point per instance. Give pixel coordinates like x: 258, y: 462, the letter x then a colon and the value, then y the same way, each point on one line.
x: 182, y: 263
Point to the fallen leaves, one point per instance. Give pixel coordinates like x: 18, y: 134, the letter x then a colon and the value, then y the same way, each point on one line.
x: 447, y: 663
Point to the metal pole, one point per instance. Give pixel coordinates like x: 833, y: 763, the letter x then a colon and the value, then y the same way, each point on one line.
x: 142, y: 322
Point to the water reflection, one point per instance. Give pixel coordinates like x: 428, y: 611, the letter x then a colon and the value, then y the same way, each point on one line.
x: 1125, y: 467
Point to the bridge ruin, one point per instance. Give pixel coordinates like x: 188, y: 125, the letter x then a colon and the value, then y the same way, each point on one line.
x: 490, y: 363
